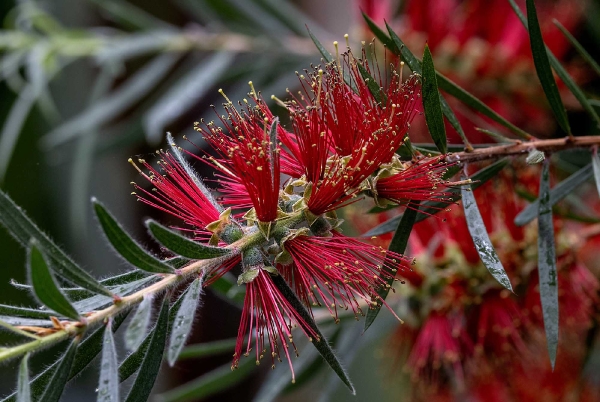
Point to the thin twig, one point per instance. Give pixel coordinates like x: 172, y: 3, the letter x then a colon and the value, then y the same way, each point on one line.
x: 523, y: 147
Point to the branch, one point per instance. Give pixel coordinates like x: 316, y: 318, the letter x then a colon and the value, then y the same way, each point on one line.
x: 520, y: 147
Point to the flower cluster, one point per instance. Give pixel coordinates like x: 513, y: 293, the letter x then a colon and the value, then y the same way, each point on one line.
x: 342, y: 142
x: 485, y: 49
x: 466, y: 333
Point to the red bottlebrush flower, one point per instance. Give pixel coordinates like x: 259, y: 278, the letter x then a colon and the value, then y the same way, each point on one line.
x: 179, y: 192
x: 497, y: 322
x: 417, y: 182
x: 267, y: 314
x: 249, y: 156
x: 344, y: 136
x: 441, y: 343
x: 335, y: 270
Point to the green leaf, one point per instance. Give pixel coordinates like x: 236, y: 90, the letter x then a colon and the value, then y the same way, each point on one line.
x: 561, y: 72
x: 55, y: 387
x: 133, y: 362
x: 329, y: 59
x: 23, y: 312
x: 144, y: 382
x: 596, y: 165
x: 182, y: 245
x: 23, y: 387
x: 542, y: 66
x: 22, y: 229
x: 208, y: 349
x: 481, y: 240
x: 580, y: 49
x: 373, y: 86
x: 126, y: 246
x: 97, y: 302
x: 430, y: 208
x: 431, y: 103
x: 138, y: 326
x: 397, y: 245
x: 474, y: 103
x: 210, y: 383
x: 45, y: 286
x: 394, y: 46
x: 108, y: 384
x: 183, y: 320
x: 547, y: 265
x: 192, y: 173
x: 322, y: 345
x: 559, y: 192
x: 86, y: 352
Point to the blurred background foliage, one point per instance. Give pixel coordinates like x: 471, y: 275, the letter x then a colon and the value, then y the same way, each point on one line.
x: 84, y: 84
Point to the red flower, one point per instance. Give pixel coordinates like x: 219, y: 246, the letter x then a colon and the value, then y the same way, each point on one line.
x: 337, y: 270
x: 178, y: 191
x: 343, y: 133
x: 419, y: 181
x: 440, y: 349
x: 249, y: 156
x: 267, y: 317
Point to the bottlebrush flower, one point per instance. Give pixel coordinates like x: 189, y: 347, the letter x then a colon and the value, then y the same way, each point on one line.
x: 249, y: 155
x: 438, y: 353
x: 345, y: 134
x: 267, y: 318
x: 335, y: 271
x: 485, y: 49
x: 178, y: 191
x: 419, y: 181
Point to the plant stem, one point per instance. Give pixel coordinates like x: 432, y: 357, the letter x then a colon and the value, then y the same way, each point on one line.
x: 73, y: 328
x: 521, y: 148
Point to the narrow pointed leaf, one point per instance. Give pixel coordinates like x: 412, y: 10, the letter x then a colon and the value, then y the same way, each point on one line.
x: 132, y: 363
x: 183, y: 246
x: 559, y: 192
x: 138, y: 326
x: 373, y: 86
x: 431, y: 208
x: 144, y: 382
x: 580, y: 49
x: 89, y: 348
x: 175, y: 150
x: 209, y: 384
x: 108, y: 385
x: 596, y: 165
x: 183, y: 320
x: 431, y: 103
x: 23, y: 312
x: 547, y: 266
x: 126, y: 246
x: 329, y: 59
x: 561, y: 72
x: 322, y: 345
x: 44, y: 285
x: 388, y: 41
x: 22, y: 229
x: 208, y: 349
x: 542, y: 66
x: 397, y: 245
x: 23, y: 387
x: 55, y: 387
x: 481, y: 240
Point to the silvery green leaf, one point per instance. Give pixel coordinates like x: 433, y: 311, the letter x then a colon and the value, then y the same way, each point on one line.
x: 138, y: 326
x: 23, y: 387
x: 184, y: 319
x: 481, y: 240
x: 108, y: 384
